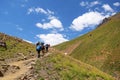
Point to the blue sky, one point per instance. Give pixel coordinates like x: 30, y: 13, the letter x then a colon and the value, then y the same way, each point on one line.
x: 53, y: 21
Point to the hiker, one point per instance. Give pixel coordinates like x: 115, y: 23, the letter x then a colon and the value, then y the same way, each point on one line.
x: 38, y: 49
x: 43, y: 48
x: 46, y: 47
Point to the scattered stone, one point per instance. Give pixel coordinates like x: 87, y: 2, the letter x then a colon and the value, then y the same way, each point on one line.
x: 99, y: 78
x: 1, y: 74
x: 5, y: 67
x: 15, y: 67
x: 33, y: 63
x: 30, y: 67
x: 23, y: 56
x: 116, y: 75
x: 1, y: 59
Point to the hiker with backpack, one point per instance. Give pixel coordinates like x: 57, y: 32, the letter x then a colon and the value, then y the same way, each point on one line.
x: 46, y: 47
x: 38, y: 49
x: 43, y: 48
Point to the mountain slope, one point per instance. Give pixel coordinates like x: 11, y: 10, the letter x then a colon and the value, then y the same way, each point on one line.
x: 55, y: 66
x: 60, y: 67
x: 14, y: 47
x: 100, y: 48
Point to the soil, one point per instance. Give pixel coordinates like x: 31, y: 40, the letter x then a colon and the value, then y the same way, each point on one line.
x: 16, y: 69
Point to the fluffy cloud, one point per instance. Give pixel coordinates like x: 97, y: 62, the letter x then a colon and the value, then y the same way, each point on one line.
x: 40, y: 10
x: 116, y: 4
x: 52, y: 39
x: 89, y: 4
x: 89, y: 19
x: 107, y: 8
x: 54, y: 23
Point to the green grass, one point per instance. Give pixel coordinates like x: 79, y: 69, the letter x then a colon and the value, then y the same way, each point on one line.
x: 101, y: 49
x: 14, y: 46
x: 60, y: 67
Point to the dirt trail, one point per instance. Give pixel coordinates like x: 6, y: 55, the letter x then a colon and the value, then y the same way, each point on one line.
x: 71, y: 48
x: 23, y: 69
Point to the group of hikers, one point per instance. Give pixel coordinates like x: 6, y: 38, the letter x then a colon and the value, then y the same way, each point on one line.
x: 41, y: 47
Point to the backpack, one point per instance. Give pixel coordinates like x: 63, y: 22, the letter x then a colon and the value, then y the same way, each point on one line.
x: 38, y: 47
x: 42, y: 43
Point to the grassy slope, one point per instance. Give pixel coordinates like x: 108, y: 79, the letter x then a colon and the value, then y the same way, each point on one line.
x: 101, y: 49
x: 55, y: 65
x: 60, y: 67
x: 14, y: 46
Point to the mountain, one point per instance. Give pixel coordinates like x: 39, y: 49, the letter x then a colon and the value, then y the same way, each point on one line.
x: 100, y: 47
x: 57, y: 66
x: 11, y: 47
x: 53, y: 66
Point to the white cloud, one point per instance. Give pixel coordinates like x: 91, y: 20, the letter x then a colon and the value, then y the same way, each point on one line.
x: 50, y: 12
x: 116, y: 4
x: 83, y: 3
x: 30, y: 10
x: 89, y: 20
x: 27, y: 41
x: 89, y: 4
x: 52, y: 39
x: 94, y: 3
x: 107, y: 8
x: 54, y: 23
x: 40, y: 10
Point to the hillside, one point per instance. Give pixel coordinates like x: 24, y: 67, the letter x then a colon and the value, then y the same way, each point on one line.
x: 53, y: 66
x: 14, y: 46
x: 60, y: 67
x: 100, y: 47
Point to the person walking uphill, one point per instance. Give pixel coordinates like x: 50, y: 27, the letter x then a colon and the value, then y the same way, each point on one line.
x: 47, y: 46
x: 43, y: 48
x: 38, y: 49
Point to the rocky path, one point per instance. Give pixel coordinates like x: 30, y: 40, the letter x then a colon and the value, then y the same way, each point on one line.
x: 20, y: 68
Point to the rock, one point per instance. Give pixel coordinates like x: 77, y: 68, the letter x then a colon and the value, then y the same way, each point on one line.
x: 33, y: 63
x: 25, y: 58
x: 15, y: 67
x: 22, y: 55
x: 30, y: 67
x: 1, y: 59
x: 1, y: 74
x: 5, y: 67
x: 31, y: 54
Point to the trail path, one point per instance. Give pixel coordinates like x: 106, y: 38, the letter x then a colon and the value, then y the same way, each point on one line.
x: 23, y: 69
x: 70, y: 49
